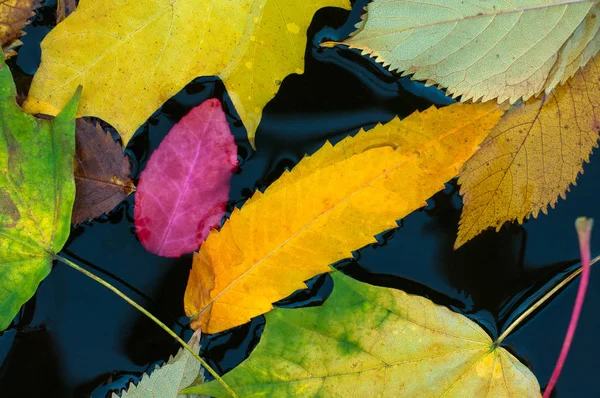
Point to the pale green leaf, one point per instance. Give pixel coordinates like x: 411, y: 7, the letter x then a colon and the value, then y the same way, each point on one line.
x: 482, y: 49
x: 166, y: 381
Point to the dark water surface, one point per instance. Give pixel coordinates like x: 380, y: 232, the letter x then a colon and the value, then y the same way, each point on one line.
x: 77, y: 339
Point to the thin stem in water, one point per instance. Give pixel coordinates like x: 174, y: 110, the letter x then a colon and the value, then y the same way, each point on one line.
x: 541, y: 302
x: 93, y: 266
x: 149, y: 315
x: 584, y: 231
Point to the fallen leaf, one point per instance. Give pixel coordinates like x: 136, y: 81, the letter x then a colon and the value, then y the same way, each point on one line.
x: 369, y: 341
x: 14, y: 15
x: 63, y: 9
x: 330, y: 204
x: 482, y: 50
x: 101, y: 173
x: 37, y: 191
x: 167, y: 380
x: 532, y: 156
x: 184, y: 188
x: 134, y: 55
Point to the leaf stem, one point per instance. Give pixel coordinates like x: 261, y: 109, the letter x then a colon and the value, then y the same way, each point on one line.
x: 541, y: 301
x: 149, y: 315
x: 584, y: 231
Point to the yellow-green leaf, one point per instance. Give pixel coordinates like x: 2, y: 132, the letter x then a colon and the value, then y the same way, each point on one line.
x: 369, y: 341
x: 329, y: 205
x: 131, y: 56
x: 482, y: 49
x: 532, y: 156
x: 37, y: 191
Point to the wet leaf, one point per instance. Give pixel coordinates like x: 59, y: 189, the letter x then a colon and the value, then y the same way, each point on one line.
x: 14, y: 15
x: 134, y: 55
x: 63, y: 9
x: 330, y: 204
x: 167, y: 380
x: 36, y: 195
x: 369, y: 341
x: 532, y: 156
x: 482, y: 50
x: 101, y: 173
x: 184, y: 188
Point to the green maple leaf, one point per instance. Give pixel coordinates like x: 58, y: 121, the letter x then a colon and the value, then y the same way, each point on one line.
x: 369, y: 341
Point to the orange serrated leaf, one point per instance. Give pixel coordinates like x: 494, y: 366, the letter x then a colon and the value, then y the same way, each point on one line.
x: 532, y: 156
x: 329, y: 205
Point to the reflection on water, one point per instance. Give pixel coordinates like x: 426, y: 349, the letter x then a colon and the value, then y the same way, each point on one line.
x: 76, y: 336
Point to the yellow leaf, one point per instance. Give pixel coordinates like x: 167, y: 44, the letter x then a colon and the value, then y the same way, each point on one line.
x: 532, y: 156
x: 329, y: 205
x: 14, y: 15
x: 482, y: 49
x: 131, y: 56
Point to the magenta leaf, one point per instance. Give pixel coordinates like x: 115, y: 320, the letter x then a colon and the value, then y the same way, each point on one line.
x: 182, y: 192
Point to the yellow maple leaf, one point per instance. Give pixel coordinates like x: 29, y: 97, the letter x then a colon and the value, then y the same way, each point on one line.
x: 329, y: 205
x: 532, y: 156
x: 132, y: 56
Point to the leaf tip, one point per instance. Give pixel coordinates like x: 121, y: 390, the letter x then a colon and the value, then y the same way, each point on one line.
x: 584, y: 225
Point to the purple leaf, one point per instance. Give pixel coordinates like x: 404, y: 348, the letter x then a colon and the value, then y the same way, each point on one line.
x: 182, y: 192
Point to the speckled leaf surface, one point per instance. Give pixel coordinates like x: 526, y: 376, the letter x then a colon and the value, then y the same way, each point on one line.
x: 532, y: 156
x: 332, y: 203
x: 482, y: 49
x: 369, y: 341
x: 37, y: 191
x: 184, y: 188
x: 131, y: 56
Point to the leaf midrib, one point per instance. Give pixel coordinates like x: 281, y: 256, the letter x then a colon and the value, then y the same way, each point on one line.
x: 485, y: 15
x: 191, y: 172
x: 383, y: 366
x: 104, y: 182
x: 304, y: 228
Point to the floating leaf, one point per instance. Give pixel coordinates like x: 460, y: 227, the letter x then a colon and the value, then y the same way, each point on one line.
x: 63, y: 9
x: 101, y: 173
x: 332, y: 203
x: 532, y: 156
x: 369, y: 341
x: 36, y: 195
x: 184, y: 188
x: 134, y: 55
x: 14, y: 15
x: 482, y: 49
x: 166, y: 381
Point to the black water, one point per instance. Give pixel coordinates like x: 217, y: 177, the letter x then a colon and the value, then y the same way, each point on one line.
x: 77, y: 339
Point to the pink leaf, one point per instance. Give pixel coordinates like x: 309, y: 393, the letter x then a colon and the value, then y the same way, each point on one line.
x: 182, y: 192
